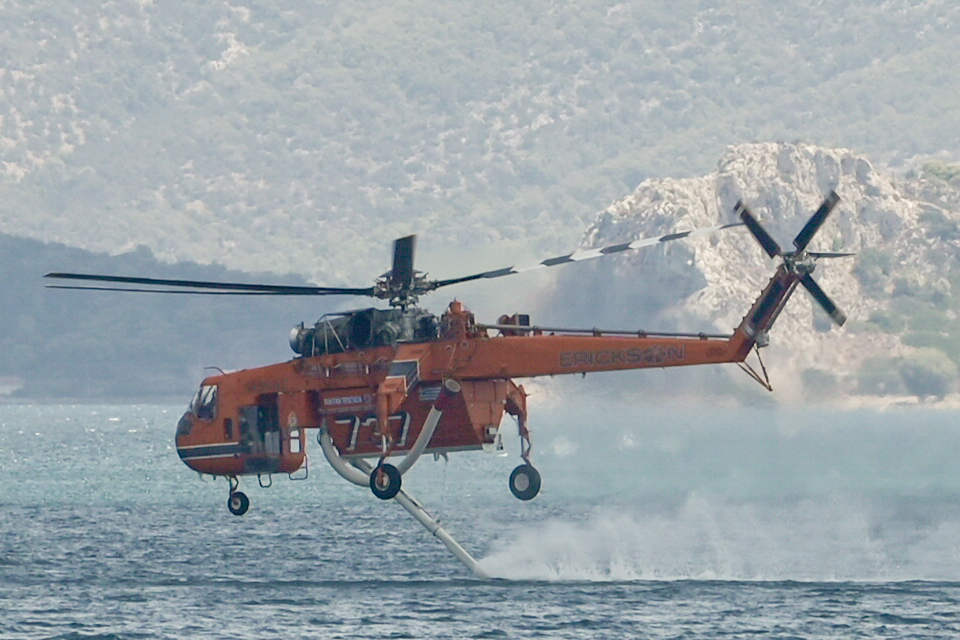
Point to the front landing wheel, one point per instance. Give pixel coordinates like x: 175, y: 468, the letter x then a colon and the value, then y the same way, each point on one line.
x: 525, y: 482
x: 238, y: 503
x: 385, y: 481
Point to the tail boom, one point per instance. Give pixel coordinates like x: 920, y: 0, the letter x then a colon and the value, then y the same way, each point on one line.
x: 757, y: 323
x: 549, y: 352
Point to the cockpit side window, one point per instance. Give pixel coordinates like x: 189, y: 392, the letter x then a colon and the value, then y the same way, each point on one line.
x: 204, y: 404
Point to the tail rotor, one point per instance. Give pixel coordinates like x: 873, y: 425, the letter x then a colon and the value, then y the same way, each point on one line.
x: 800, y: 263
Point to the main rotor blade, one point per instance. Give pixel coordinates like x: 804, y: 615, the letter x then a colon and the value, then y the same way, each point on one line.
x: 587, y: 254
x: 401, y: 274
x: 765, y: 239
x: 811, y: 285
x: 198, y: 292
x: 234, y: 288
x: 814, y: 223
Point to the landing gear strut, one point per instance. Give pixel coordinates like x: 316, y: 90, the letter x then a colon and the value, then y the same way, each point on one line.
x: 525, y: 479
x: 385, y: 479
x: 238, y: 502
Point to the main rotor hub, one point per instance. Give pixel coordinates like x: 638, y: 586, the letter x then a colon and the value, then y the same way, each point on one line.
x: 799, y: 263
x: 403, y: 294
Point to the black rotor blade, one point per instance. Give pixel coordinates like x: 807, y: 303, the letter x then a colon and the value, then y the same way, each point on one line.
x: 585, y: 254
x: 198, y: 292
x: 832, y: 310
x: 814, y: 223
x: 765, y: 239
x: 401, y: 274
x: 234, y: 288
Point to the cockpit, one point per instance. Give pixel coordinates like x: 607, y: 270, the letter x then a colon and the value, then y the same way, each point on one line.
x: 204, y: 404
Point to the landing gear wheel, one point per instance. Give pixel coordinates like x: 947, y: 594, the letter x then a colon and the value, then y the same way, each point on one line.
x: 525, y: 482
x: 385, y: 481
x: 238, y: 503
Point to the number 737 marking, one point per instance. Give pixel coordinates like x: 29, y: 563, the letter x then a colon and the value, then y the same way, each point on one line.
x: 356, y: 422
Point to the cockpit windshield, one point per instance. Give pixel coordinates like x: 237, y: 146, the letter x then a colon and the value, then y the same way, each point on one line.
x: 204, y: 404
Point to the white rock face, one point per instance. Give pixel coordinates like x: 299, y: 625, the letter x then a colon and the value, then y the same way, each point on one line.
x: 708, y: 284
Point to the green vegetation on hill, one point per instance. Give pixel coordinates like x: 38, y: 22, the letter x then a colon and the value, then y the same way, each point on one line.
x: 925, y: 315
x: 942, y: 171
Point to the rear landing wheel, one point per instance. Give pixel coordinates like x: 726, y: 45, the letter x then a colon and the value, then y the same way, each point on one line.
x: 385, y: 481
x: 238, y: 503
x: 525, y: 482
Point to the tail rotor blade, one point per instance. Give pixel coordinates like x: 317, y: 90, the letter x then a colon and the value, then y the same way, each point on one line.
x: 829, y: 254
x: 401, y: 275
x: 765, y: 239
x: 814, y: 223
x: 835, y: 313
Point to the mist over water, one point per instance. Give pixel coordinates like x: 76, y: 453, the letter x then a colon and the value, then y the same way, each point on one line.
x: 710, y: 538
x: 775, y: 493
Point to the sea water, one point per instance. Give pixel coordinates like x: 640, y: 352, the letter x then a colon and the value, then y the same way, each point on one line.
x: 652, y: 523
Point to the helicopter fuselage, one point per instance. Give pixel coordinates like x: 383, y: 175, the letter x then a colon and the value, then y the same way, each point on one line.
x: 374, y: 402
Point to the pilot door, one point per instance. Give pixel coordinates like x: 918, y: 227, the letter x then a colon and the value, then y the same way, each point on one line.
x: 261, y: 438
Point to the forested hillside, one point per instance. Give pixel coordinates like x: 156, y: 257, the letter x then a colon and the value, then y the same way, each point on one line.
x: 304, y: 136
x: 90, y: 345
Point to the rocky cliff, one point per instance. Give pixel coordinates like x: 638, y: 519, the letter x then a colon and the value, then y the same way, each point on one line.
x: 902, y: 338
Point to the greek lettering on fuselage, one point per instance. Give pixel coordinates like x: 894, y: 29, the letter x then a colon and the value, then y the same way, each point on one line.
x: 643, y: 356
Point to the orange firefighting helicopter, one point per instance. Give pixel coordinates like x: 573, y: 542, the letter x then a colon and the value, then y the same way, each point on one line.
x: 385, y: 383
